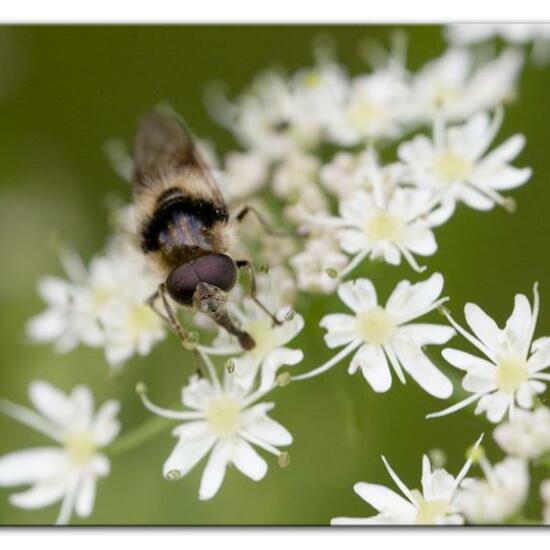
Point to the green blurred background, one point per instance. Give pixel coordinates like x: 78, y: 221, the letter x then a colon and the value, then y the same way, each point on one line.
x: 63, y: 92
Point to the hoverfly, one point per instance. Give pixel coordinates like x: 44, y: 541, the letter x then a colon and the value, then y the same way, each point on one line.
x: 183, y: 224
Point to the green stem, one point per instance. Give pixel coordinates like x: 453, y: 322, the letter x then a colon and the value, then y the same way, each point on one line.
x: 134, y: 438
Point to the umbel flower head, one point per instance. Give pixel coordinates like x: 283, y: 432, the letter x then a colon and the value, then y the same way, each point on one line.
x: 433, y: 505
x: 510, y: 371
x: 67, y: 473
x: 384, y: 337
x: 226, y: 421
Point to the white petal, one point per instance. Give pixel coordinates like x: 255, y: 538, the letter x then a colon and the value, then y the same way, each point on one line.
x: 495, y: 405
x: 51, y: 402
x: 474, y: 199
x: 275, y: 360
x: 467, y: 361
x: 483, y: 326
x: 105, y: 426
x: 419, y: 239
x: 32, y: 465
x: 341, y: 329
x: 214, y: 472
x: 408, y: 301
x: 187, y: 453
x: 248, y: 461
x: 374, y: 366
x: 358, y: 295
x: 518, y: 326
x: 427, y: 333
x: 86, y: 496
x: 259, y: 425
x: 197, y: 393
x: 381, y: 498
x: 424, y: 372
x: 40, y: 495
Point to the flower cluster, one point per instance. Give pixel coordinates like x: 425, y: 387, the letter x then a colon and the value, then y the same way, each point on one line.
x: 341, y: 170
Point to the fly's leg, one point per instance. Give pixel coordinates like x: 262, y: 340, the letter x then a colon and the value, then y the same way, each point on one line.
x: 247, y: 209
x: 169, y: 317
x: 247, y: 264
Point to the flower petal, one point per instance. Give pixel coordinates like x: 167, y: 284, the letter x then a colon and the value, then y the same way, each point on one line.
x: 187, y: 453
x: 214, y: 472
x: 248, y: 461
x: 423, y: 371
x: 374, y: 366
x: 32, y: 465
x: 358, y: 295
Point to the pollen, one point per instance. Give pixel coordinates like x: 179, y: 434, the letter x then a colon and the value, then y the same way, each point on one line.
x: 80, y: 447
x: 223, y: 416
x: 450, y: 167
x: 384, y: 227
x: 511, y: 373
x: 376, y: 326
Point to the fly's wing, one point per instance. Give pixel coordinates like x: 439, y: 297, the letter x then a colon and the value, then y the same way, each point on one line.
x: 163, y: 145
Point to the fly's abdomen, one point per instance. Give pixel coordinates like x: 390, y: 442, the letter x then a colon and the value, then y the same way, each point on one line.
x: 182, y: 226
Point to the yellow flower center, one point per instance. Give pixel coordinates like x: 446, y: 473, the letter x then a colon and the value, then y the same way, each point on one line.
x: 141, y: 318
x: 264, y: 336
x: 429, y: 510
x: 312, y: 79
x: 450, y: 167
x: 363, y: 114
x: 376, y: 326
x: 384, y: 227
x: 223, y: 416
x: 100, y: 297
x: 80, y: 447
x: 511, y: 373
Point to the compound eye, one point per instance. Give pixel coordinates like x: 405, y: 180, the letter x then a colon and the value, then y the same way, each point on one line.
x: 181, y: 284
x: 218, y: 270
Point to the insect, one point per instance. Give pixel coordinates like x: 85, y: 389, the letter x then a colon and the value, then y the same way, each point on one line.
x: 183, y: 225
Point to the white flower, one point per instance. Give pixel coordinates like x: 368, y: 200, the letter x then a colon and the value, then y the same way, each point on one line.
x: 386, y: 221
x: 375, y: 108
x: 68, y: 473
x: 293, y: 173
x: 434, y: 505
x: 457, y: 166
x: 347, y: 172
x: 222, y: 420
x: 66, y: 322
x: 270, y: 352
x: 243, y: 174
x: 267, y: 119
x: 383, y: 336
x: 496, y: 498
x: 102, y: 306
x: 545, y: 495
x: 452, y: 88
x: 319, y: 92
x: 527, y: 435
x: 316, y: 266
x: 510, y: 371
